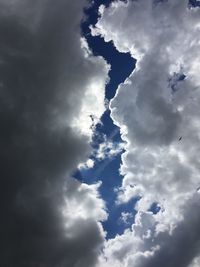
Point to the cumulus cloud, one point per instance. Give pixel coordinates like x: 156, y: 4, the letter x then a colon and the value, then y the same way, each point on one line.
x: 87, y: 165
x: 144, y: 246
x: 157, y: 110
x: 48, y: 80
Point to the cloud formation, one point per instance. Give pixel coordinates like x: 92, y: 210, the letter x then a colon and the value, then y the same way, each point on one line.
x: 48, y: 83
x: 157, y: 110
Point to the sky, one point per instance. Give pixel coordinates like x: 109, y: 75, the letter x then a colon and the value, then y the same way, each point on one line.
x: 100, y: 123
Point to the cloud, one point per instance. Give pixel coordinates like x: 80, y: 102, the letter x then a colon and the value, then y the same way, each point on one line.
x: 48, y: 79
x: 143, y: 246
x: 108, y: 149
x: 125, y: 217
x: 157, y: 110
x: 195, y: 262
x: 182, y: 246
x: 87, y: 165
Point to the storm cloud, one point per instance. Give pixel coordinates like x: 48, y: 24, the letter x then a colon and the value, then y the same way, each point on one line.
x: 47, y: 79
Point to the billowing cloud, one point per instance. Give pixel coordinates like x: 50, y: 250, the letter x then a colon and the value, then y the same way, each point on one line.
x: 144, y: 246
x: 157, y: 110
x: 48, y: 80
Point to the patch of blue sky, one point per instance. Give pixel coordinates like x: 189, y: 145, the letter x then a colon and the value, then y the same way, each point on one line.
x: 155, y: 208
x: 106, y: 169
x: 194, y: 3
x: 122, y: 64
x: 175, y: 80
x: 117, y: 221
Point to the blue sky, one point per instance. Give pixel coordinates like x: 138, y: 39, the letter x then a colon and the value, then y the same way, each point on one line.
x: 107, y: 170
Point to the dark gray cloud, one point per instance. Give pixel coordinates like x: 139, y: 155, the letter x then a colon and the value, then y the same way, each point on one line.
x: 43, y: 80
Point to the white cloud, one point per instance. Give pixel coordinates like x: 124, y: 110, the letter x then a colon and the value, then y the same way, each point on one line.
x: 90, y: 163
x: 159, y: 123
x: 126, y: 216
x: 145, y: 246
x: 108, y: 149
x: 93, y: 100
x: 195, y: 262
x: 83, y: 202
x: 87, y: 165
